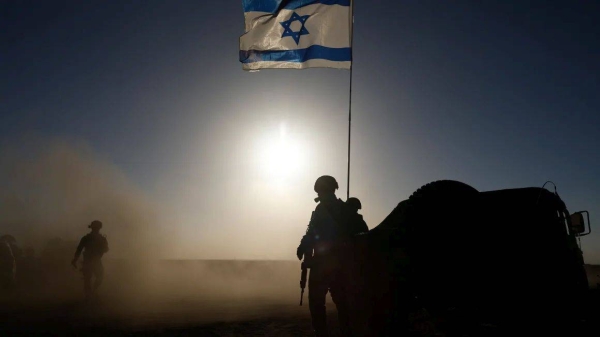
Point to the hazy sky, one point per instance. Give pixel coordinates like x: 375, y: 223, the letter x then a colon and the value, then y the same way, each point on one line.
x: 498, y: 95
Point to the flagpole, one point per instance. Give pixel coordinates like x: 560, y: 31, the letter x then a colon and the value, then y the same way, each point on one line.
x: 350, y: 96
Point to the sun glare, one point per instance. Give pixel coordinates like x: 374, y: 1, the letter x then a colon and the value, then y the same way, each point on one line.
x: 282, y: 157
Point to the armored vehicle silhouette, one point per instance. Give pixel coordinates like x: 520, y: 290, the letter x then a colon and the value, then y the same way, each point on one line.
x: 505, y: 260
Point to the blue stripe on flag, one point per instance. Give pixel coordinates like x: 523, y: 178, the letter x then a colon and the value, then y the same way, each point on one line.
x: 272, y: 6
x: 296, y: 55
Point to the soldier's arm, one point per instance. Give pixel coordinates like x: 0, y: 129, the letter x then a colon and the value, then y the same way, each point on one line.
x: 79, y: 249
x: 306, y: 243
x: 105, y: 245
x: 309, y: 238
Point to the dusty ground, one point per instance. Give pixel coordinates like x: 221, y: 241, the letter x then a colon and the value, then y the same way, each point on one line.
x: 183, y: 319
x: 180, y: 298
x: 170, y: 298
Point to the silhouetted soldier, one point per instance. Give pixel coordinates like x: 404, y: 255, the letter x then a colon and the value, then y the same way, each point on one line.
x: 94, y: 246
x: 17, y: 255
x: 7, y: 264
x: 357, y: 223
x: 14, y: 246
x: 323, y: 249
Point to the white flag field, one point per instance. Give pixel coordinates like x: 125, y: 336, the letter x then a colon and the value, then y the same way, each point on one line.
x: 296, y: 34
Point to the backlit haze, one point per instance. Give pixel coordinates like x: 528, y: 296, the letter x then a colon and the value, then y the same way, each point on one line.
x: 139, y: 114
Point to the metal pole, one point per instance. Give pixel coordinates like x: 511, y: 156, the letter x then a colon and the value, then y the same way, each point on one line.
x: 350, y: 96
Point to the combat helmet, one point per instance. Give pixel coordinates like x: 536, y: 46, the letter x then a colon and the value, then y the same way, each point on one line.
x: 326, y: 184
x: 354, y: 203
x: 95, y: 225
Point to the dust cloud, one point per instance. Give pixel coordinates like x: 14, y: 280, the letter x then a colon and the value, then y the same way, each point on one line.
x: 52, y: 189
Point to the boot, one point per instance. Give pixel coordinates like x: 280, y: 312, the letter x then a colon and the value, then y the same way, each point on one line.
x: 321, y: 333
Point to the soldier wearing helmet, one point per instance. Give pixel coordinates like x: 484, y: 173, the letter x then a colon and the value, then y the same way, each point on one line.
x: 94, y: 245
x: 7, y: 263
x: 321, y: 248
x: 357, y: 223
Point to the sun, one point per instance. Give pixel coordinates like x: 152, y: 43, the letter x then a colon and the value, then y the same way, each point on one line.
x: 282, y: 157
x: 281, y: 160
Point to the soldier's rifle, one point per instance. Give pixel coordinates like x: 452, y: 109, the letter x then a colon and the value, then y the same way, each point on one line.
x: 303, y: 280
x: 308, y: 252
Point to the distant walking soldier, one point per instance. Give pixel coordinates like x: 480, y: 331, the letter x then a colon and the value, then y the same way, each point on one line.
x: 94, y: 245
x: 17, y: 252
x: 7, y: 264
x: 323, y: 249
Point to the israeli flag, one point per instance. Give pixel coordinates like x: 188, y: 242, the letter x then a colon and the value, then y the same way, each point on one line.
x: 296, y: 34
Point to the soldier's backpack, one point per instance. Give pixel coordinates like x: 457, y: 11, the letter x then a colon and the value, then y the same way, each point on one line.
x: 349, y: 221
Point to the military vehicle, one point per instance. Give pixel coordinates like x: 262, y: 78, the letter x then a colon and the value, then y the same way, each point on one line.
x: 504, y: 261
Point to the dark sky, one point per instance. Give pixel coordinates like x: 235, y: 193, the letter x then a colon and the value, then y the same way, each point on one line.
x: 497, y: 95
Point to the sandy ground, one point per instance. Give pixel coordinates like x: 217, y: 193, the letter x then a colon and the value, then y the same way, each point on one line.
x: 185, y: 298
x: 169, y: 298
x: 181, y: 319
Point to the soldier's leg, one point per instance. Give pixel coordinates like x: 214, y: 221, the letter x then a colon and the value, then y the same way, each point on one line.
x: 317, y: 291
x: 99, y: 274
x: 340, y: 297
x: 87, y: 280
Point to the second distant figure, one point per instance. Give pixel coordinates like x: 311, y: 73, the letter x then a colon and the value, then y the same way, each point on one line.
x: 357, y: 223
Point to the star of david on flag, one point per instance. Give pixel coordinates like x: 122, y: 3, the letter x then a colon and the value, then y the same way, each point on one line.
x: 288, y: 30
x: 296, y: 34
